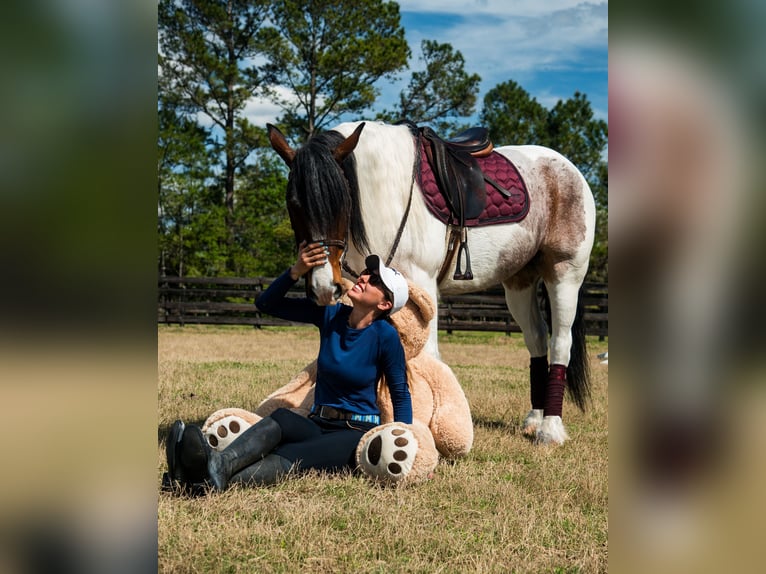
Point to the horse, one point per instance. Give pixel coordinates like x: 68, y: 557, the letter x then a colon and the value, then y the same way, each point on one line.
x: 355, y: 189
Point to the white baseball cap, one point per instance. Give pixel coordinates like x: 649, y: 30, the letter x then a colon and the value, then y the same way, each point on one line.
x: 392, y: 279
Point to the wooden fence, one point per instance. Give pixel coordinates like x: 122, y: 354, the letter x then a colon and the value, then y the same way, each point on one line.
x: 230, y: 301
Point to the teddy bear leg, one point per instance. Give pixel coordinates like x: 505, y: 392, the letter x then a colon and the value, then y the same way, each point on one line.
x: 396, y: 454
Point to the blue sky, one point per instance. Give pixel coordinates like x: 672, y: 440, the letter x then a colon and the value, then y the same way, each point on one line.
x: 551, y: 48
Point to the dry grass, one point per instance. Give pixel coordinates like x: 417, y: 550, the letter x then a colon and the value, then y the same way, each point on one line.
x: 510, y: 506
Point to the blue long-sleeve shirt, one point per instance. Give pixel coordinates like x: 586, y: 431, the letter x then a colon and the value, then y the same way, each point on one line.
x: 350, y: 361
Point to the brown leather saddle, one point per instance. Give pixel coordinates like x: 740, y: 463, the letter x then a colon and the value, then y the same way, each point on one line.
x: 460, y: 179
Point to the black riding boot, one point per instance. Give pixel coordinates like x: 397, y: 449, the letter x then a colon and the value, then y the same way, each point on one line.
x: 250, y: 447
x: 267, y: 471
x: 186, y: 452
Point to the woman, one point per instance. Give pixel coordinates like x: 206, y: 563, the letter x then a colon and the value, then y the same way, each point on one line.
x: 357, y: 346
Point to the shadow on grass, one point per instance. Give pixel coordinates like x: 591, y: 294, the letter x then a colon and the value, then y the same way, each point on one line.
x: 513, y: 426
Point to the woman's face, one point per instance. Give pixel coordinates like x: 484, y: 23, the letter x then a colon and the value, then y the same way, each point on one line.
x: 370, y: 291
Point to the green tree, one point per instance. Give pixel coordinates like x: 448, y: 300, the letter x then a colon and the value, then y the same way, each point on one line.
x: 599, y: 258
x: 439, y: 94
x: 514, y: 117
x: 327, y: 55
x: 207, y: 50
x: 574, y: 132
x: 265, y: 240
x: 184, y: 170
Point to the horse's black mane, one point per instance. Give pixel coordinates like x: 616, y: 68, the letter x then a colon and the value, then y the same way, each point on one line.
x: 322, y: 192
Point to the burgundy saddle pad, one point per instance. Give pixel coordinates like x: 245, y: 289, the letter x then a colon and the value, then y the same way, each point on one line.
x: 499, y: 208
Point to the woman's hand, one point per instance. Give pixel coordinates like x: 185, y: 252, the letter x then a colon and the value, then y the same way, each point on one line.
x: 309, y: 255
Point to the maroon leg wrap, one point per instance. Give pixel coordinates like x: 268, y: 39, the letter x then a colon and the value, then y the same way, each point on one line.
x: 538, y: 377
x: 554, y: 392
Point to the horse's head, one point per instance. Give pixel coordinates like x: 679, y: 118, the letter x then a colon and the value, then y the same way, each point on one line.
x: 320, y: 202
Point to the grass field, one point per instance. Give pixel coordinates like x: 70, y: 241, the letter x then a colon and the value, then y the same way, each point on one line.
x: 509, y: 506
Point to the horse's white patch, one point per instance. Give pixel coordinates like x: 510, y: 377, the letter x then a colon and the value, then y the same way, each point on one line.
x: 552, y: 431
x: 323, y: 285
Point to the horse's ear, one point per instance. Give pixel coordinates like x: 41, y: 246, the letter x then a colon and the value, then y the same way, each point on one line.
x: 341, y: 152
x: 280, y: 145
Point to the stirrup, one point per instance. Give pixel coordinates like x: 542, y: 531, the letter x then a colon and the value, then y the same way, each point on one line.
x: 459, y: 275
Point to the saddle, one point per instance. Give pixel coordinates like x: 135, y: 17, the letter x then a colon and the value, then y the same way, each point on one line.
x: 460, y: 180
x: 473, y: 140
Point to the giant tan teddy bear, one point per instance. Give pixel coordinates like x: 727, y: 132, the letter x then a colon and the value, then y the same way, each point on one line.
x: 392, y: 453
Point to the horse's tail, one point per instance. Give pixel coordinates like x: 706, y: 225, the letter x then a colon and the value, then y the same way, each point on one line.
x: 578, y: 370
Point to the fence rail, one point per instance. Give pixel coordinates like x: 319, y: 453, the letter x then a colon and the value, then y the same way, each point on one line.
x: 229, y: 301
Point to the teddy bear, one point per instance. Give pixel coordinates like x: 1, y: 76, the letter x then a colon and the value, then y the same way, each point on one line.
x: 392, y: 453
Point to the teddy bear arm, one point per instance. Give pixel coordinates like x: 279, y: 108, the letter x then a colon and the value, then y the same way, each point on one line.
x: 297, y: 395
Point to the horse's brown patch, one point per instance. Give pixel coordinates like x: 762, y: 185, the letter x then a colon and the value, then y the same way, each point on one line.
x: 557, y: 214
x: 528, y: 275
x: 566, y: 228
x: 566, y: 221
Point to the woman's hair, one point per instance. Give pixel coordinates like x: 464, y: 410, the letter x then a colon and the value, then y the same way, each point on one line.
x: 386, y: 293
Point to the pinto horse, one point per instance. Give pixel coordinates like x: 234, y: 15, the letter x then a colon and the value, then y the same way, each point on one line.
x: 356, y: 189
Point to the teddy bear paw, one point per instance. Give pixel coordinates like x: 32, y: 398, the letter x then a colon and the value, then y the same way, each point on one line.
x: 224, y: 431
x: 388, y: 453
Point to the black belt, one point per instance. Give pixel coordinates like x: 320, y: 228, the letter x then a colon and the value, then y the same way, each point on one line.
x: 331, y: 413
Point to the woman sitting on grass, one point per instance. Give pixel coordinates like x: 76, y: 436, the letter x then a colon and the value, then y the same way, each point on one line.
x: 357, y: 346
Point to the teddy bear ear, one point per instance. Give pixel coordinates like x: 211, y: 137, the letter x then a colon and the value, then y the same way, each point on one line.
x: 422, y: 301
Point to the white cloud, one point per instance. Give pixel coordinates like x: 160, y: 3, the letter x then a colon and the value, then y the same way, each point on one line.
x: 499, y: 8
x: 260, y: 111
x: 519, y: 40
x: 512, y: 41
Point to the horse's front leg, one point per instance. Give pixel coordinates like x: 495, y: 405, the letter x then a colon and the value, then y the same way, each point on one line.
x: 425, y: 281
x: 432, y: 345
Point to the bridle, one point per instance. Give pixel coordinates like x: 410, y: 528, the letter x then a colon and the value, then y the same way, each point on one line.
x: 343, y: 244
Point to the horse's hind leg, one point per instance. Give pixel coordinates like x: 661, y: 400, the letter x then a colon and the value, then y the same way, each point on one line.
x: 563, y: 294
x: 525, y: 309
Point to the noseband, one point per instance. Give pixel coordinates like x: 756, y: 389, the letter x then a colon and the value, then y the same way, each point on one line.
x: 340, y: 243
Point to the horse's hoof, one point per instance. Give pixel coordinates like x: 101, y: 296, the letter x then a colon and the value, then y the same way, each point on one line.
x: 532, y: 423
x: 551, y: 431
x: 529, y: 431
